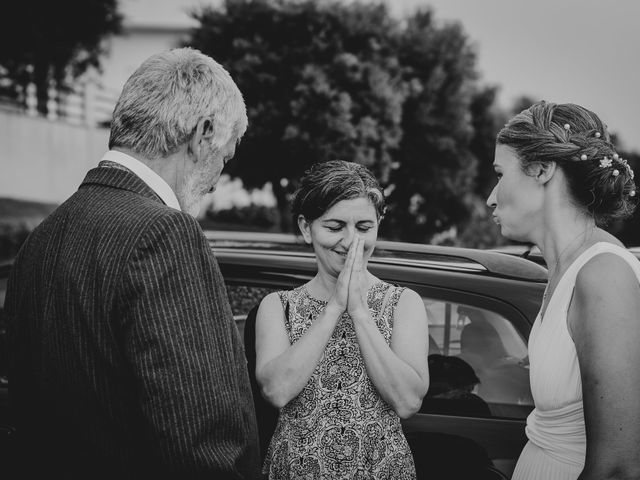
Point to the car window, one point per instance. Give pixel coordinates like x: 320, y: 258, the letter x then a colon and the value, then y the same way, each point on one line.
x: 478, y: 363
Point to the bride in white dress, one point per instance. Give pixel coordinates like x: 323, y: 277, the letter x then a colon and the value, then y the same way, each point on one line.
x: 559, y: 182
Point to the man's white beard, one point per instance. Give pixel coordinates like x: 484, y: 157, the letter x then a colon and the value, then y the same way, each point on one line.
x: 190, y: 200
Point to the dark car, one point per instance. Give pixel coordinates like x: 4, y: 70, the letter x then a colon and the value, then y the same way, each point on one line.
x: 480, y: 304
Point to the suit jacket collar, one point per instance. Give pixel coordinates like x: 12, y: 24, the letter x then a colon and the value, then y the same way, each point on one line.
x: 119, y: 178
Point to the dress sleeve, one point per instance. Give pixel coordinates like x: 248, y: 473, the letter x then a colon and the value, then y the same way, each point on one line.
x: 392, y: 303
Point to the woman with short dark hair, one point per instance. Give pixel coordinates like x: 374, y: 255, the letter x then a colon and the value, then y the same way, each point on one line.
x: 344, y: 356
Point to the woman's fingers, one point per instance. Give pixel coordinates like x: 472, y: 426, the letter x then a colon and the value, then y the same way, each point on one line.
x: 348, y: 263
x: 357, y: 284
x: 344, y: 279
x: 351, y: 257
x: 356, y: 267
x: 359, y: 260
x: 342, y: 287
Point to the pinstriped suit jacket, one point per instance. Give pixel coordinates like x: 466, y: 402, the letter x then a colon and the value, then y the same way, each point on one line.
x: 125, y: 361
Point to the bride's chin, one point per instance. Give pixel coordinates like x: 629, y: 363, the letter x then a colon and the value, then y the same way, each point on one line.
x: 514, y: 237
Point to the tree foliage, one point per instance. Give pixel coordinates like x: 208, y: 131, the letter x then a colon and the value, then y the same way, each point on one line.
x: 436, y: 166
x: 487, y: 120
x: 320, y: 81
x: 43, y: 40
x: 326, y: 80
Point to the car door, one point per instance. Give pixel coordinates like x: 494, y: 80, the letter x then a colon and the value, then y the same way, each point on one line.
x: 484, y: 425
x: 479, y: 395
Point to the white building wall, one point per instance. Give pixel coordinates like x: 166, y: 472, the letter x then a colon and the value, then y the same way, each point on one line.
x: 127, y: 51
x: 46, y: 161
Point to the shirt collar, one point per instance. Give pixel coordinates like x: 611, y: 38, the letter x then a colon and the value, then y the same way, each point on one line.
x: 148, y: 176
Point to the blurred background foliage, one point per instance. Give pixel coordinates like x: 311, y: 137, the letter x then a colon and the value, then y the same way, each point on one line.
x: 52, y: 42
x: 324, y: 79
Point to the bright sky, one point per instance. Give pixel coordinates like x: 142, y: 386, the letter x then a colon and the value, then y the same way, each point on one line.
x: 579, y: 51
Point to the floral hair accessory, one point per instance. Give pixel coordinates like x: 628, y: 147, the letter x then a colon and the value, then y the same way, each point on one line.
x: 606, y: 162
x: 626, y: 165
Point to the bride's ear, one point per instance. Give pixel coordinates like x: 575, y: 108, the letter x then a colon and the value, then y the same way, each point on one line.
x: 544, y: 171
x: 305, y: 228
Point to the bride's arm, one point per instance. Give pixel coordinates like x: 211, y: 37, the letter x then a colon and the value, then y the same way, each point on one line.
x: 604, y: 321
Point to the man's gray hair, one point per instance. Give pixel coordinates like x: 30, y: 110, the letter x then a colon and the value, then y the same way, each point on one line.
x: 163, y: 100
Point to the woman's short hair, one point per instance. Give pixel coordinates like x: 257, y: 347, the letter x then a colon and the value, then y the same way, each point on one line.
x: 328, y: 183
x: 163, y: 100
x: 599, y: 180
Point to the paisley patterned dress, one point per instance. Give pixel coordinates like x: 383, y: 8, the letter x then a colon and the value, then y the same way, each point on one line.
x: 339, y: 427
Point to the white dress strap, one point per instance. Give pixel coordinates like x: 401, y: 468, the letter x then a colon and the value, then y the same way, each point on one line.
x: 568, y: 282
x: 607, y: 247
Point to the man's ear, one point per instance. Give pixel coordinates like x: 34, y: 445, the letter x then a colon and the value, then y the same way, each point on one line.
x: 205, y: 127
x: 203, y: 133
x: 544, y: 171
x: 305, y: 228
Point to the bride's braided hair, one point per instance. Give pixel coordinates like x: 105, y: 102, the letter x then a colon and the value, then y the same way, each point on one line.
x: 577, y: 140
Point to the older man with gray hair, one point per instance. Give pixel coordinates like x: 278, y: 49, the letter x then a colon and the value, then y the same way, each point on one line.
x: 125, y: 361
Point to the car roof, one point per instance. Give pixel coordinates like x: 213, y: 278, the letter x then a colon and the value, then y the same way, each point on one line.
x: 533, y: 253
x: 386, y: 252
x: 505, y: 263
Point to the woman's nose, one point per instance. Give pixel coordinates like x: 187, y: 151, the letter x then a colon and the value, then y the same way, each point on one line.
x: 491, y: 200
x: 349, y: 237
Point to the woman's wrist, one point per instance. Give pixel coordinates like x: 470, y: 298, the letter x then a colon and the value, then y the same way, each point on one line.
x: 361, y: 316
x: 333, y: 310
